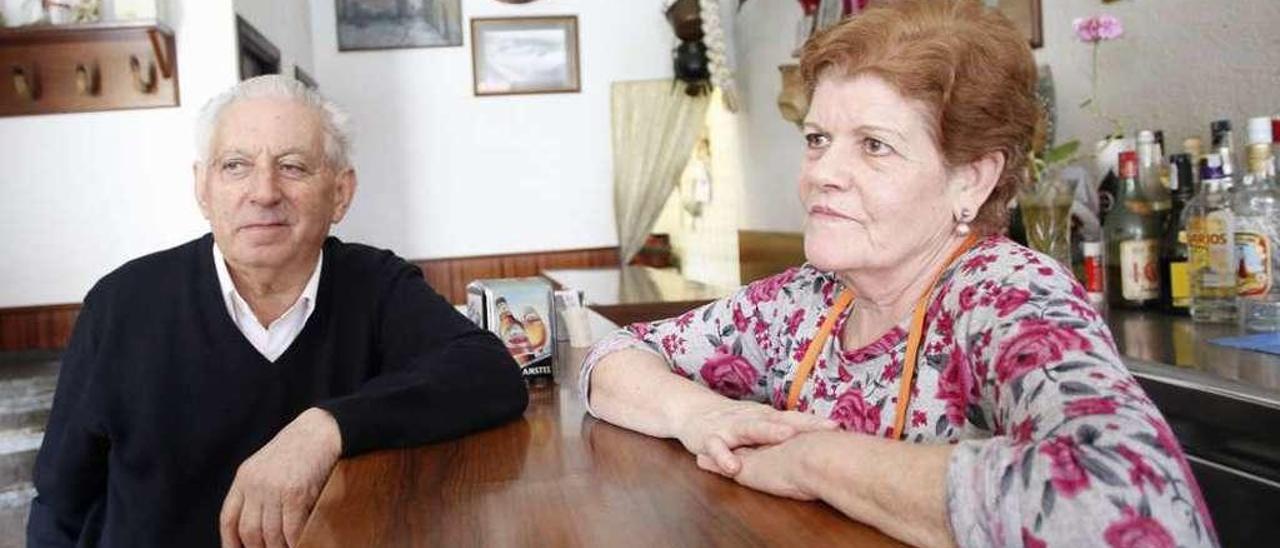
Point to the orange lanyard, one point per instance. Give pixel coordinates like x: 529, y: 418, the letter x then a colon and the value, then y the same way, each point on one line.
x: 914, y: 337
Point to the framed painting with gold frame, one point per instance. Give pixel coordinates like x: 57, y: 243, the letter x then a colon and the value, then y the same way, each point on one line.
x: 512, y: 55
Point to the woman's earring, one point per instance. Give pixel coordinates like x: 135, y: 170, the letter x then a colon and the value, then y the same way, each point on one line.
x: 962, y: 222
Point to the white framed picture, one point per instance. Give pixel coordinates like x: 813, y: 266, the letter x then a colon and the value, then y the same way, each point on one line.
x: 511, y: 55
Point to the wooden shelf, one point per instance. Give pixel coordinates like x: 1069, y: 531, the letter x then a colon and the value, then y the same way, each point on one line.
x: 87, y: 67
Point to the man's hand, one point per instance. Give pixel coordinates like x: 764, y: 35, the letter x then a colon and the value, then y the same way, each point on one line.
x: 275, y: 488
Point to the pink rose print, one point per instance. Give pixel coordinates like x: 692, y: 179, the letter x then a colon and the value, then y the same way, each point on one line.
x: 967, y: 296
x: 1140, y: 473
x: 1031, y: 541
x: 1067, y: 476
x: 955, y: 386
x: 767, y: 289
x: 1134, y: 530
x: 884, y: 345
x: 855, y: 414
x: 740, y: 320
x: 1009, y: 301
x: 685, y: 320
x: 793, y: 322
x: 1023, y: 431
x: 673, y: 345
x: 729, y: 374
x: 919, y: 418
x: 1038, y: 343
x: 640, y: 330
x: 978, y: 262
x: 1101, y: 405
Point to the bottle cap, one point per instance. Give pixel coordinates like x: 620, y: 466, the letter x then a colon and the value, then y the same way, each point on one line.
x: 1220, y: 126
x: 1091, y: 249
x: 1146, y: 136
x: 1260, y: 130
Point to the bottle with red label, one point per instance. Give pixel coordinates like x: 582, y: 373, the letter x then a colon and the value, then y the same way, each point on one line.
x: 1095, y: 277
x: 1133, y: 243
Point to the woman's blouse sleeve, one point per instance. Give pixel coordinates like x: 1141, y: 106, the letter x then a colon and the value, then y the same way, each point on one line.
x: 727, y: 345
x: 1081, y: 456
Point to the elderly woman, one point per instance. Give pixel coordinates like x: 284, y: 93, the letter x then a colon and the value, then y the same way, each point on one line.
x: 922, y: 373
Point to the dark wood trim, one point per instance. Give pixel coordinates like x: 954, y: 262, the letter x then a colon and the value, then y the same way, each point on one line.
x: 37, y: 327
x: 450, y: 276
x: 49, y: 326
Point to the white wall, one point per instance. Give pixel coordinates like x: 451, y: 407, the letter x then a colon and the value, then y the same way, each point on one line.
x: 287, y: 24
x: 82, y: 193
x: 1182, y: 64
x: 443, y: 173
x: 766, y: 38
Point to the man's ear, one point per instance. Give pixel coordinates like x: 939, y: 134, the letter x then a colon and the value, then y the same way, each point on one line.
x: 199, y: 170
x: 972, y: 183
x: 344, y: 189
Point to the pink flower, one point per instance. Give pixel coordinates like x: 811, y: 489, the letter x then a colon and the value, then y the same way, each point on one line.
x: 672, y: 345
x: 1139, y: 472
x: 1031, y: 541
x: 740, y: 320
x: 1067, y: 476
x: 1010, y: 300
x: 1101, y: 405
x: 768, y: 288
x: 978, y: 262
x: 955, y: 385
x: 640, y: 329
x: 884, y: 345
x: 685, y: 319
x: 1134, y: 530
x: 967, y: 296
x: 1037, y: 343
x: 854, y: 413
x: 919, y: 418
x: 1098, y: 28
x: 729, y: 374
x: 793, y: 322
x: 1023, y: 431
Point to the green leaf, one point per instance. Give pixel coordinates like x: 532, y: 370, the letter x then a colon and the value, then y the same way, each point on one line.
x: 1062, y: 152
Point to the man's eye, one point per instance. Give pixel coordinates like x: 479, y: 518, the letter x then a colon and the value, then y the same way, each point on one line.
x: 234, y: 167
x: 293, y: 170
x: 816, y: 139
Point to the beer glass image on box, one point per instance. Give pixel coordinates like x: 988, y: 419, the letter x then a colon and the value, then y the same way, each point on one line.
x: 518, y: 311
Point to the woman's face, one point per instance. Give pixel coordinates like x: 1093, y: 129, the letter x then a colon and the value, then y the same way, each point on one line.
x: 873, y: 182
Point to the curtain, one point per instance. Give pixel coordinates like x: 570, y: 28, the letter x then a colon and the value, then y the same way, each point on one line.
x: 655, y: 126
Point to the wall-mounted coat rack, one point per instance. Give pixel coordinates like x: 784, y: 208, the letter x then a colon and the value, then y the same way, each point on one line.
x: 87, y: 67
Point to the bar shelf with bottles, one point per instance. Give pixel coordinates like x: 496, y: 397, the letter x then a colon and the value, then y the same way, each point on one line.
x: 1186, y: 256
x: 1192, y: 233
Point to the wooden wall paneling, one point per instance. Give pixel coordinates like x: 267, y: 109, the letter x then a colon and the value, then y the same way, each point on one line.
x: 762, y: 253
x: 49, y: 327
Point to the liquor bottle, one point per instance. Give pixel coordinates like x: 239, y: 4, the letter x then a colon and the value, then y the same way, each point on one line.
x: 1094, y: 274
x: 1211, y: 247
x: 1149, y: 161
x: 1133, y: 245
x: 1175, y: 294
x: 1162, y: 159
x: 1257, y: 213
x: 1223, y: 143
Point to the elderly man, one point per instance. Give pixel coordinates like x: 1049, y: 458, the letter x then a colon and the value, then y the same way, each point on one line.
x: 209, y: 389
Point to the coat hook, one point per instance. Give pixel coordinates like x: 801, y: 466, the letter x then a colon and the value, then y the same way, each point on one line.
x: 87, y: 79
x: 145, y: 83
x: 26, y: 86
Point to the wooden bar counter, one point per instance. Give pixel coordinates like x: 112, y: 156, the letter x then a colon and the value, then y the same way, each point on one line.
x: 558, y: 477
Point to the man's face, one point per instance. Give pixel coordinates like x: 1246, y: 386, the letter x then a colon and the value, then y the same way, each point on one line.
x: 267, y: 190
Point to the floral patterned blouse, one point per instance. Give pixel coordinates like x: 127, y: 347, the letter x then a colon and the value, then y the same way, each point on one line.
x: 1056, y: 444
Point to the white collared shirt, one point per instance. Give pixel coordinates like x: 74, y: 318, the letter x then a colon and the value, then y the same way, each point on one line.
x: 272, y: 340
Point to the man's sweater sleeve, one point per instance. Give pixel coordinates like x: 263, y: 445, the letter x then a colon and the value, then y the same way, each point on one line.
x: 71, y: 468
x: 442, y: 377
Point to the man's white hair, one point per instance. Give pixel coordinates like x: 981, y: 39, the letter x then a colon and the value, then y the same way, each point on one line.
x: 336, y: 123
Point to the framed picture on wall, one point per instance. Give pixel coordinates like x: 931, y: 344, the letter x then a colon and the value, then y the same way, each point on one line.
x: 1026, y: 15
x: 525, y: 55
x: 382, y: 24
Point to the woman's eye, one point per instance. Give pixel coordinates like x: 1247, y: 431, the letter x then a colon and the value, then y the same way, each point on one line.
x: 817, y: 140
x: 876, y: 147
